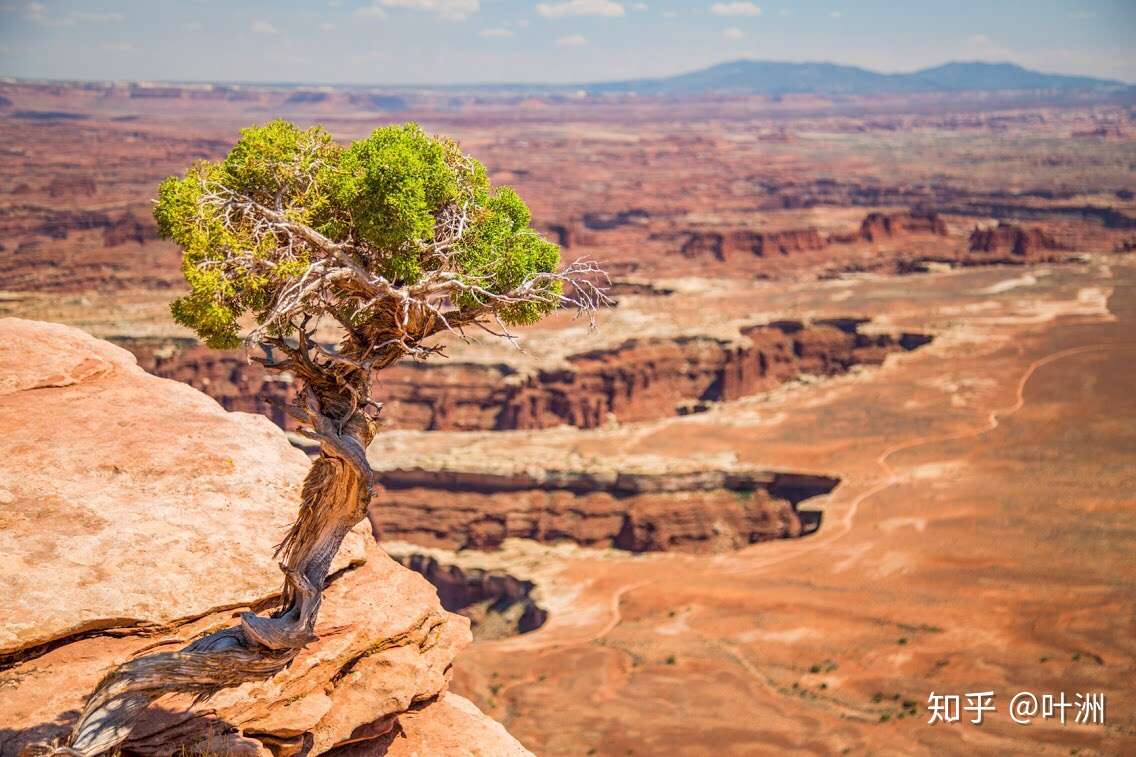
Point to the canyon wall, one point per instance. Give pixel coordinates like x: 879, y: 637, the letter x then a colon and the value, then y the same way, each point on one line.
x: 497, y: 603
x: 725, y: 246
x: 705, y: 511
x: 638, y: 380
x: 882, y: 225
x: 1008, y: 238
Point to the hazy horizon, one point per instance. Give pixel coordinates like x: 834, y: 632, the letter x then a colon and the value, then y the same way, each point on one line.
x: 490, y: 84
x: 478, y: 42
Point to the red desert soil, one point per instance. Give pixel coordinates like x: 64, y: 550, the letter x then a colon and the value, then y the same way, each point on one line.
x: 981, y: 539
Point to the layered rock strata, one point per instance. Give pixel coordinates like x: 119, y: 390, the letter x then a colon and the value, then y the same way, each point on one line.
x: 639, y: 379
x: 700, y: 511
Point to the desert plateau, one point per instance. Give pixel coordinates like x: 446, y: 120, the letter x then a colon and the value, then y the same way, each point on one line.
x: 852, y: 425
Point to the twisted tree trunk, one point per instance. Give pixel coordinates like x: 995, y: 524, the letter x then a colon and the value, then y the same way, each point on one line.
x: 335, y: 495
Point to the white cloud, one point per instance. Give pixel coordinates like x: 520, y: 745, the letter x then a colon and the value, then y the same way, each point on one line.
x: 981, y: 46
x: 735, y: 9
x: 572, y: 40
x: 670, y: 14
x: 451, y: 10
x: 580, y: 8
x: 523, y: 23
x: 638, y: 6
x: 835, y: 14
x: 119, y: 47
x: 496, y: 32
x: 261, y: 26
x: 192, y: 26
x: 327, y: 26
x: 38, y: 13
x: 733, y: 33
x: 370, y: 11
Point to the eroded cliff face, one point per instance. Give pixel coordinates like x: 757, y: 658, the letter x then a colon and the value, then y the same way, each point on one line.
x: 640, y: 379
x: 497, y: 603
x: 702, y: 511
x: 1008, y: 238
x: 882, y: 225
x: 724, y: 246
x: 138, y: 515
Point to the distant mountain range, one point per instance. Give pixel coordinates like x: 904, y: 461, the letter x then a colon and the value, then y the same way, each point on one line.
x: 760, y: 77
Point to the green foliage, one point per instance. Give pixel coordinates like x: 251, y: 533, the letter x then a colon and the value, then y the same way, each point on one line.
x: 500, y: 251
x: 390, y: 195
x: 391, y: 184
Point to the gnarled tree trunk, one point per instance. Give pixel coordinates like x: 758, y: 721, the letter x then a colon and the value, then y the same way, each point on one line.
x: 335, y: 495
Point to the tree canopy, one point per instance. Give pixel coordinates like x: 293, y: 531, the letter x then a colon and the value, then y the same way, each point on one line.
x: 396, y: 236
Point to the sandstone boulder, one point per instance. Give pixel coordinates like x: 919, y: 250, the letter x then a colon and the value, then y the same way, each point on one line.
x: 117, y: 489
x: 450, y: 726
x: 138, y: 515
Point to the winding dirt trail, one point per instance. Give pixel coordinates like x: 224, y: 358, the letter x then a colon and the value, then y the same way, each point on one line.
x: 892, y: 477
x: 795, y: 550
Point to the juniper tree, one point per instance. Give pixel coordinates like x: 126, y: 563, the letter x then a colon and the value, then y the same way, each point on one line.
x: 391, y: 240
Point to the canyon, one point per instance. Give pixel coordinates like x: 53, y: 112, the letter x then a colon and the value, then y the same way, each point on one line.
x: 638, y: 379
x: 692, y: 511
x: 856, y: 427
x: 497, y: 603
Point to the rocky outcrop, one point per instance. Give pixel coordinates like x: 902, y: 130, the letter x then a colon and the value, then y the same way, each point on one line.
x: 70, y: 185
x: 877, y: 226
x: 138, y: 515
x: 129, y: 228
x: 450, y: 726
x: 498, y: 604
x: 1011, y: 239
x: 607, y: 221
x: 97, y: 457
x: 706, y: 510
x: 723, y: 246
x: 638, y: 380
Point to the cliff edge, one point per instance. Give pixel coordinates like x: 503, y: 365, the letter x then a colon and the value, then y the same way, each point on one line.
x: 136, y: 514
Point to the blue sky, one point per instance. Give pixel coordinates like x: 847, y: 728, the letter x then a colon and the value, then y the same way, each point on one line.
x: 458, y: 41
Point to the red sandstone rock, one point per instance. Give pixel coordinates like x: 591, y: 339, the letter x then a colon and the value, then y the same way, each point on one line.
x: 449, y: 727
x: 699, y: 511
x: 1008, y: 238
x: 723, y: 246
x: 876, y: 226
x: 138, y: 515
x: 637, y: 380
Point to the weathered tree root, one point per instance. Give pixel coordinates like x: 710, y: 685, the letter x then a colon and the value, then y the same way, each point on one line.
x: 335, y: 496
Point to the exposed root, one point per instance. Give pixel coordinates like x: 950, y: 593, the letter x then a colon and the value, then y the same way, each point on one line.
x: 335, y: 496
